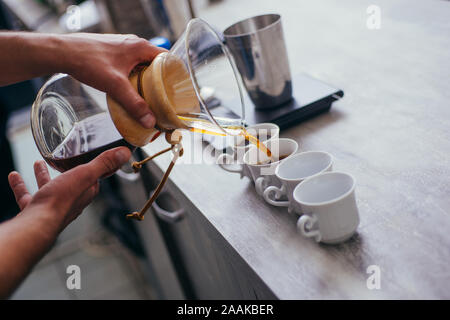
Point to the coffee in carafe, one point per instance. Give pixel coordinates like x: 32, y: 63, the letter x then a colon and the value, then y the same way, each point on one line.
x: 86, y: 140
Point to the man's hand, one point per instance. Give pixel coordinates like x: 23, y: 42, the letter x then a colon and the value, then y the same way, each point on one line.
x: 67, y: 195
x: 28, y: 236
x: 103, y: 61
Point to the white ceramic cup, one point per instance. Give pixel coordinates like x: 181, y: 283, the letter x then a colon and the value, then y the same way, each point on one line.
x: 327, y: 200
x: 293, y: 171
x: 262, y: 168
x: 265, y: 133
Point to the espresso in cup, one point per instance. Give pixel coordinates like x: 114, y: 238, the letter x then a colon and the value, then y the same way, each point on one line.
x: 272, y: 160
x: 262, y: 167
x: 233, y: 162
x: 259, y: 167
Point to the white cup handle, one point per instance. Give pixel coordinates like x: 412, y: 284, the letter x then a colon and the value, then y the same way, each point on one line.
x: 222, y: 162
x: 306, y: 224
x: 260, y: 185
x: 278, y: 193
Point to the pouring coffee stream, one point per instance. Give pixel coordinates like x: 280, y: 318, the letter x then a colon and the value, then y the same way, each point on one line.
x: 169, y: 92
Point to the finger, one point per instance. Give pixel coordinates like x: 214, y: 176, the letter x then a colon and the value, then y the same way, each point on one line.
x: 124, y: 94
x: 41, y: 173
x: 23, y: 197
x: 147, y: 52
x: 144, y: 54
x: 105, y: 164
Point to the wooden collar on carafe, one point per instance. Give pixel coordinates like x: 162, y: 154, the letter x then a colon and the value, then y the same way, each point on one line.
x: 141, y: 91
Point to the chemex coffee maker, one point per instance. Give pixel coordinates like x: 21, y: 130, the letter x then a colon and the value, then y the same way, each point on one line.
x: 72, y: 122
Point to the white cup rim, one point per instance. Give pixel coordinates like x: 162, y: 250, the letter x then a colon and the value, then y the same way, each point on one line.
x: 298, y: 155
x: 276, y: 163
x: 322, y: 203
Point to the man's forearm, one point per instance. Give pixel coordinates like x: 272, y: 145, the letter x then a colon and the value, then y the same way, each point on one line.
x: 23, y: 242
x: 25, y: 55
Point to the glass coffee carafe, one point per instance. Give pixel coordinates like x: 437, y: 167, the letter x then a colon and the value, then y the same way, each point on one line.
x: 72, y: 122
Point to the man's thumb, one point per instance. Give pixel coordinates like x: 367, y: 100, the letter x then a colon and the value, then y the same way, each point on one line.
x: 110, y: 161
x: 103, y: 165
